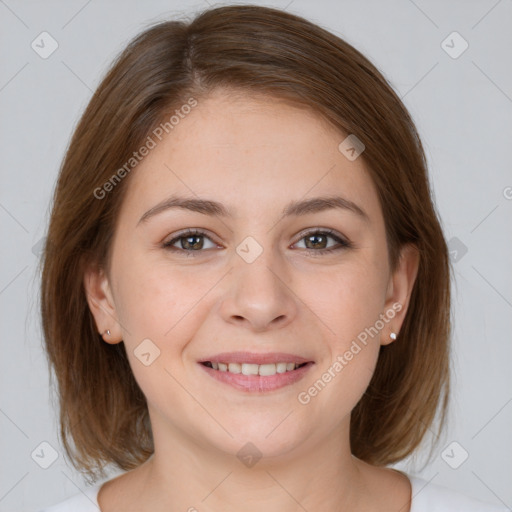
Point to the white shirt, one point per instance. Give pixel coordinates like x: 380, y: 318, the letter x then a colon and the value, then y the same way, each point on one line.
x: 426, y: 497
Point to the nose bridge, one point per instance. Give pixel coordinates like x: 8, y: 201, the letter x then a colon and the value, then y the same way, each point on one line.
x: 258, y: 292
x: 257, y: 268
x: 254, y: 263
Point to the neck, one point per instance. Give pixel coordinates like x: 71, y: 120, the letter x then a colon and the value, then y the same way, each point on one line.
x: 184, y: 475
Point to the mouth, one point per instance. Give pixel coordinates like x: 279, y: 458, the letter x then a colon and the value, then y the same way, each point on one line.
x: 256, y: 372
x: 263, y: 370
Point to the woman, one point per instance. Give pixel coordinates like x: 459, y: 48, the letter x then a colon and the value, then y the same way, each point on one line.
x: 246, y: 289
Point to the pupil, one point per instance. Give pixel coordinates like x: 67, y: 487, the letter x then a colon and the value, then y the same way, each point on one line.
x: 312, y: 237
x: 188, y: 243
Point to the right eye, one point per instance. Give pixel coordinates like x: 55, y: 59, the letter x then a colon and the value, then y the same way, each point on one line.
x: 191, y: 240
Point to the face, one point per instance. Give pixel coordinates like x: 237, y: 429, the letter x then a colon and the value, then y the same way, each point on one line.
x: 264, y: 274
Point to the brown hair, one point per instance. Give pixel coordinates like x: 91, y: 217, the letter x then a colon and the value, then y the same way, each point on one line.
x: 257, y: 50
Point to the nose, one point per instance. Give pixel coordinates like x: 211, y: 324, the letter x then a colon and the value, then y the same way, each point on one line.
x: 259, y: 295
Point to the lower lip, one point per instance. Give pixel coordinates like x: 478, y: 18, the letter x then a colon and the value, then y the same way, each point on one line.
x: 258, y: 383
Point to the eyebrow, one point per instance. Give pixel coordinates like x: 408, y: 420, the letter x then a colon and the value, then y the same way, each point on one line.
x: 294, y: 208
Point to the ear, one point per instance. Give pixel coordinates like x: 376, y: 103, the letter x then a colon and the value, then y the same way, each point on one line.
x: 399, y: 290
x: 101, y: 303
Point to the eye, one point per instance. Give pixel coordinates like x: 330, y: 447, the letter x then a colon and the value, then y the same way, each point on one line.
x: 316, y: 241
x: 190, y: 240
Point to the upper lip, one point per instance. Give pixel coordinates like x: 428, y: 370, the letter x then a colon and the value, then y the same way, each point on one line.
x: 254, y: 358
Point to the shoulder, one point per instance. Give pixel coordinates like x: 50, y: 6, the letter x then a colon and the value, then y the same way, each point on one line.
x: 86, y: 501
x: 429, y: 497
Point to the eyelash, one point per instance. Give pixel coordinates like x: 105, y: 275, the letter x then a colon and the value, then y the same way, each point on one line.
x: 343, y: 244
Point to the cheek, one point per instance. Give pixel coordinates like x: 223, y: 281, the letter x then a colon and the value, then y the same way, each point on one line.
x: 151, y: 299
x: 357, y: 296
x: 352, y: 340
x: 162, y: 303
x: 154, y: 305
x: 349, y: 301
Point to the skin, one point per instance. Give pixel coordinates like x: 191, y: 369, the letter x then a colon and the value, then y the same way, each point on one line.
x: 254, y: 155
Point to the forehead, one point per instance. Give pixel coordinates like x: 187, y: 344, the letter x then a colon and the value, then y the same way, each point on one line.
x: 249, y: 152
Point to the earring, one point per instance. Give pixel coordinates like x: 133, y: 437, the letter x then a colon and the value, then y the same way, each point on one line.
x: 393, y: 336
x: 107, y: 332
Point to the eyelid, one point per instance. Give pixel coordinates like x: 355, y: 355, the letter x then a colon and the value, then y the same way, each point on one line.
x: 189, y: 232
x: 327, y: 231
x: 342, y: 241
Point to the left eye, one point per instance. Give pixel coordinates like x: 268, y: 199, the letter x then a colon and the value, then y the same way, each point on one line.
x: 313, y: 237
x: 193, y: 241
x: 189, y: 241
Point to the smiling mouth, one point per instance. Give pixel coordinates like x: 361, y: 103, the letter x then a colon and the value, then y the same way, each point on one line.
x: 263, y: 370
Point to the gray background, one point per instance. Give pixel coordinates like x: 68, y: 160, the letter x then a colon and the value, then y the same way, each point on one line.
x: 463, y: 110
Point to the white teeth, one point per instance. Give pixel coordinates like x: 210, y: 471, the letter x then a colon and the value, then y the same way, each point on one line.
x: 281, y: 367
x: 235, y: 368
x: 268, y: 369
x: 255, y: 369
x: 249, y: 369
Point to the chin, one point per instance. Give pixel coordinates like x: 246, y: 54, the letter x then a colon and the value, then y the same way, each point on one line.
x: 266, y: 439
